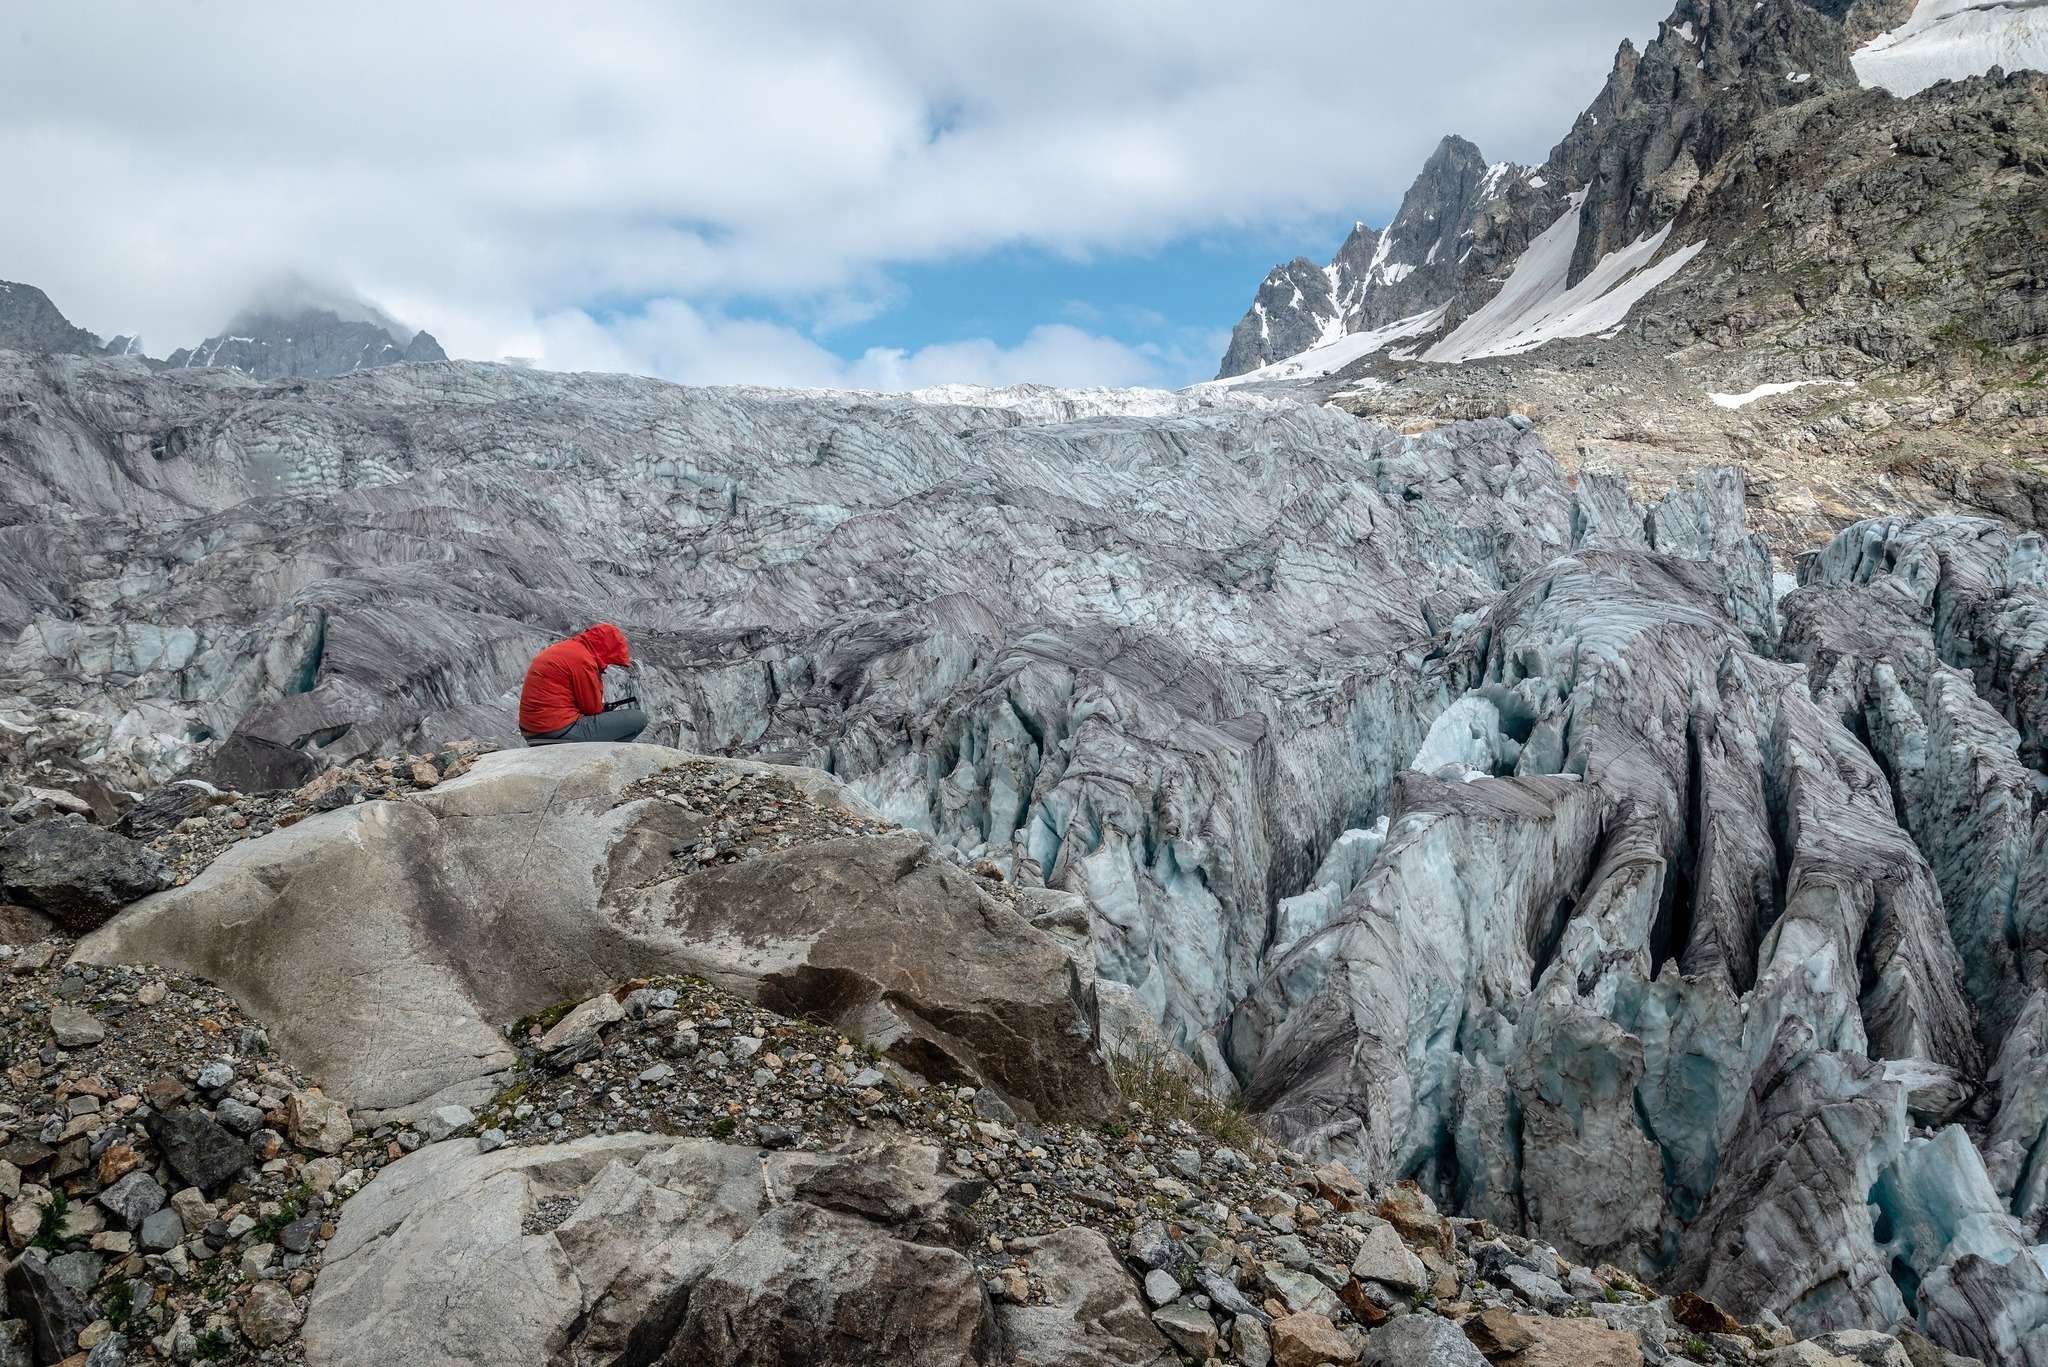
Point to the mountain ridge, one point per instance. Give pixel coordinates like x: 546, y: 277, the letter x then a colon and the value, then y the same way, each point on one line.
x: 306, y: 341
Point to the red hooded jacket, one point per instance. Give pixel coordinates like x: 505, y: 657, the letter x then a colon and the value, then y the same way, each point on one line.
x: 565, y: 682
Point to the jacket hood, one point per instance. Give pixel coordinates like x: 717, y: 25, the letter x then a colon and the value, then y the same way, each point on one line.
x: 607, y: 643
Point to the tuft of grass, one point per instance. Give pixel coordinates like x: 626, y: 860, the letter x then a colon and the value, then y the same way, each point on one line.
x: 213, y: 1346
x: 1155, y: 1085
x: 546, y: 1020
x: 271, y: 1227
x: 499, y: 1112
x: 117, y: 1302
x: 50, y: 1228
x: 725, y: 1127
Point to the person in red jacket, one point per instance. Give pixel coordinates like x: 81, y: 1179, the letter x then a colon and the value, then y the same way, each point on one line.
x: 563, y: 700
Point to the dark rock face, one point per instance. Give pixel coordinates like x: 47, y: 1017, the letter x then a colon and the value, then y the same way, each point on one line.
x: 204, y: 1154
x: 75, y: 873
x: 1422, y: 254
x: 1715, y: 70
x: 310, y: 344
x: 55, y: 1314
x: 1295, y: 309
x: 30, y: 323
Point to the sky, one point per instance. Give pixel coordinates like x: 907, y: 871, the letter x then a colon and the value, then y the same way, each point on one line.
x: 880, y: 195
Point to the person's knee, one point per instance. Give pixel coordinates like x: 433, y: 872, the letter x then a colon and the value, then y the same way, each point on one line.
x: 631, y: 722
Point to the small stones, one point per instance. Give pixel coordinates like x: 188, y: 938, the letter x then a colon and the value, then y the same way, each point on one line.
x: 491, y: 1140
x: 117, y: 1160
x: 317, y: 1122
x: 577, y: 1035
x: 1382, y: 1257
x: 238, y: 1116
x: 268, y: 1315
x: 297, y: 1236
x: 1496, y: 1332
x: 193, y: 1208
x: 201, y: 1152
x: 1161, y: 1288
x: 133, y: 1199
x: 443, y: 1122
x: 1251, y: 1343
x: 1298, y: 1291
x: 162, y: 1230
x: 215, y: 1076
x: 1407, y: 1208
x: 1151, y: 1245
x: 54, y: 1312
x: 256, y: 1261
x: 1228, y: 1298
x: 1011, y: 1286
x: 75, y: 1029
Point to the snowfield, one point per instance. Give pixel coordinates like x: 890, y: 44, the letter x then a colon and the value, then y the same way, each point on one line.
x: 1950, y: 40
x: 1535, y: 306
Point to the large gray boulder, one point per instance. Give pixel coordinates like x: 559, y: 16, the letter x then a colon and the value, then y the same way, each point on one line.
x: 386, y: 942
x: 642, y: 1248
x: 74, y: 872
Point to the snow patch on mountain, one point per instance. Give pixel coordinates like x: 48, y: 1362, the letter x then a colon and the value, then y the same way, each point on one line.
x: 1537, y: 305
x: 1951, y: 40
x: 1331, y: 357
x: 1763, y: 391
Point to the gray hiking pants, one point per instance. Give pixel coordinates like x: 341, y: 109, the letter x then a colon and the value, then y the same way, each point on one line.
x: 623, y: 724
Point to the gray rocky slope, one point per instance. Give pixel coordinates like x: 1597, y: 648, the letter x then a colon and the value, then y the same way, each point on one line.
x: 1859, y: 277
x: 312, y: 343
x: 1475, y: 822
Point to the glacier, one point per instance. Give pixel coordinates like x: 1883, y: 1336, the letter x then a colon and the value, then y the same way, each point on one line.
x: 1468, y: 820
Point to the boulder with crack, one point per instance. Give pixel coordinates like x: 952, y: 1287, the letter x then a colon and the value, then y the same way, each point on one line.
x: 383, y: 940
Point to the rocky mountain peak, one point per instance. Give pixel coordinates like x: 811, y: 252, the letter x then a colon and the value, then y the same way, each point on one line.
x: 30, y: 323
x: 310, y: 343
x: 1673, y: 110
x: 1378, y: 279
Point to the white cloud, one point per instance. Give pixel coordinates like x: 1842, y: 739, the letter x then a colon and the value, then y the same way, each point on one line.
x: 493, y: 170
x: 672, y: 339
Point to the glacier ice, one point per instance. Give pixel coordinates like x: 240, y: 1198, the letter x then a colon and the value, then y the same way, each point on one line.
x: 1479, y: 825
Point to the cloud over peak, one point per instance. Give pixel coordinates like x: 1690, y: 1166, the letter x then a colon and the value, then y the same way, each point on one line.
x: 699, y: 190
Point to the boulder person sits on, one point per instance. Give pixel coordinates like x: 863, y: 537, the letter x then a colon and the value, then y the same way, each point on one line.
x: 563, y: 700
